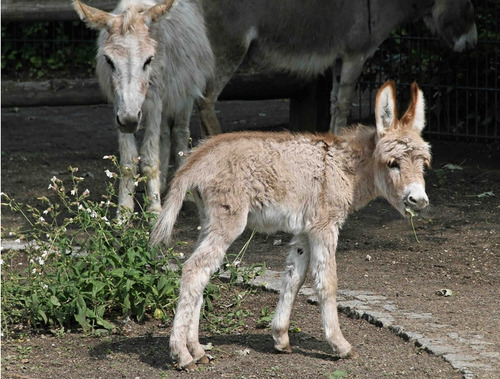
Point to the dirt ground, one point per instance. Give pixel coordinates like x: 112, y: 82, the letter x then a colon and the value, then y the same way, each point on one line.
x: 459, y: 249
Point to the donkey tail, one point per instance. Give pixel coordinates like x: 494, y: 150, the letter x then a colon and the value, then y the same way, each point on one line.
x: 162, y: 230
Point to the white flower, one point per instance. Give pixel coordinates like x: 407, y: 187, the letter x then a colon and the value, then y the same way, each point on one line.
x: 136, y: 184
x: 53, y: 179
x: 104, y: 218
x: 45, y: 286
x: 73, y: 191
x: 51, y: 186
x: 18, y: 240
x: 80, y: 207
x: 109, y: 174
x: 86, y: 192
x: 46, y: 211
x: 1, y: 261
x: 40, y: 261
x: 11, y: 234
x: 181, y: 153
x: 106, y: 157
x: 41, y: 219
x: 33, y: 271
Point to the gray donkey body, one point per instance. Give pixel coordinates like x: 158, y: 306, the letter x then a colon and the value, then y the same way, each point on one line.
x: 307, y: 37
x: 153, y: 61
x: 303, y: 184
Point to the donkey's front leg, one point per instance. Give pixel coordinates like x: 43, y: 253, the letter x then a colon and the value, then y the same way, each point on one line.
x: 128, y: 153
x: 324, y: 269
x: 180, y: 133
x: 150, y: 158
x: 293, y: 277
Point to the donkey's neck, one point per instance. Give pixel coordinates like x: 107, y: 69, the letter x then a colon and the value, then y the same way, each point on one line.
x: 360, y: 142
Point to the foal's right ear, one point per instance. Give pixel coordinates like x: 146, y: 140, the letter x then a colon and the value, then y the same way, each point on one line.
x: 415, y: 115
x: 386, y: 114
x: 93, y: 17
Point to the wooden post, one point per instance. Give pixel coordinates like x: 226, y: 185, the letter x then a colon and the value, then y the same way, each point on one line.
x: 310, y: 110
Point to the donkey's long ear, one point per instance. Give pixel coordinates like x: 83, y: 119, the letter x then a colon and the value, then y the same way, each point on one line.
x: 415, y: 115
x: 93, y: 17
x: 386, y: 113
x: 156, y: 11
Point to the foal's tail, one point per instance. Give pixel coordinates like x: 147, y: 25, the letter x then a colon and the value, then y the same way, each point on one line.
x: 162, y: 230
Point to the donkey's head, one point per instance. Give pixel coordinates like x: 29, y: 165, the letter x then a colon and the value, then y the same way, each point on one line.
x: 453, y: 21
x: 400, y: 153
x: 125, y: 55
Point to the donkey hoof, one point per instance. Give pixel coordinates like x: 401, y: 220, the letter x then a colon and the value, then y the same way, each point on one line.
x: 352, y: 354
x: 286, y: 349
x: 189, y: 367
x: 204, y: 360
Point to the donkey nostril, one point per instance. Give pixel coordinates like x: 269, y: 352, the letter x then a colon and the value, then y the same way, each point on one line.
x: 118, y: 121
x: 412, y: 200
x: 139, y: 115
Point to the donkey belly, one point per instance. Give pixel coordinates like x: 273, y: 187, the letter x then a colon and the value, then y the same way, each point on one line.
x: 272, y: 219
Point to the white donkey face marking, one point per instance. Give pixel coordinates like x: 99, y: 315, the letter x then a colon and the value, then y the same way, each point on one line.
x: 401, y: 153
x: 128, y: 56
x: 127, y: 53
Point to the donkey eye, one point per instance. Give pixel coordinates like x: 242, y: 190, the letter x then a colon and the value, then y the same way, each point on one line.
x: 109, y: 62
x: 393, y: 164
x: 148, y: 62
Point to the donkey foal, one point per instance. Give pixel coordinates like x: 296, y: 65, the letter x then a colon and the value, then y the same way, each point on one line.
x: 303, y: 184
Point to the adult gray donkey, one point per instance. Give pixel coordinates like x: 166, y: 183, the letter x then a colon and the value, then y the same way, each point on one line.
x: 308, y: 37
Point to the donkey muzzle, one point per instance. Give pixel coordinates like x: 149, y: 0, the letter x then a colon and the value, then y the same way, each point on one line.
x: 415, y: 197
x: 128, y: 123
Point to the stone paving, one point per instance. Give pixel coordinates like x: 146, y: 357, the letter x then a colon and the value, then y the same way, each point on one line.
x: 470, y: 353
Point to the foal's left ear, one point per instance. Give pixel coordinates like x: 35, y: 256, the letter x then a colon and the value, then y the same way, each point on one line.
x: 415, y: 115
x: 386, y: 114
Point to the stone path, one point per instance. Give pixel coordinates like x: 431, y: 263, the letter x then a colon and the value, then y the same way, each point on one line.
x: 470, y: 353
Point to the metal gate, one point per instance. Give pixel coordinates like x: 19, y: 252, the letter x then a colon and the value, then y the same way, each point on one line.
x: 462, y: 89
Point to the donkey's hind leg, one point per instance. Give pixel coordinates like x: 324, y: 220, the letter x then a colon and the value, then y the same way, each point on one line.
x: 196, y: 273
x: 293, y: 277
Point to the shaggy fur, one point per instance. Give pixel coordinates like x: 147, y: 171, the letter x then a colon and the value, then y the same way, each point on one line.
x: 303, y: 184
x: 153, y: 61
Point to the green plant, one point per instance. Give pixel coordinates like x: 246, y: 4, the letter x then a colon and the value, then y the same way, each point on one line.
x: 83, y: 266
x: 265, y: 318
x: 41, y: 49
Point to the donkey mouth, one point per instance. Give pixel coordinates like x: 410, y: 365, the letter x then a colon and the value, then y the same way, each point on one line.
x: 127, y: 127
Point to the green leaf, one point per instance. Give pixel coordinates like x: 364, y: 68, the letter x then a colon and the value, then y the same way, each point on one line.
x: 44, y: 316
x: 97, y: 286
x: 105, y: 324
x: 55, y: 301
